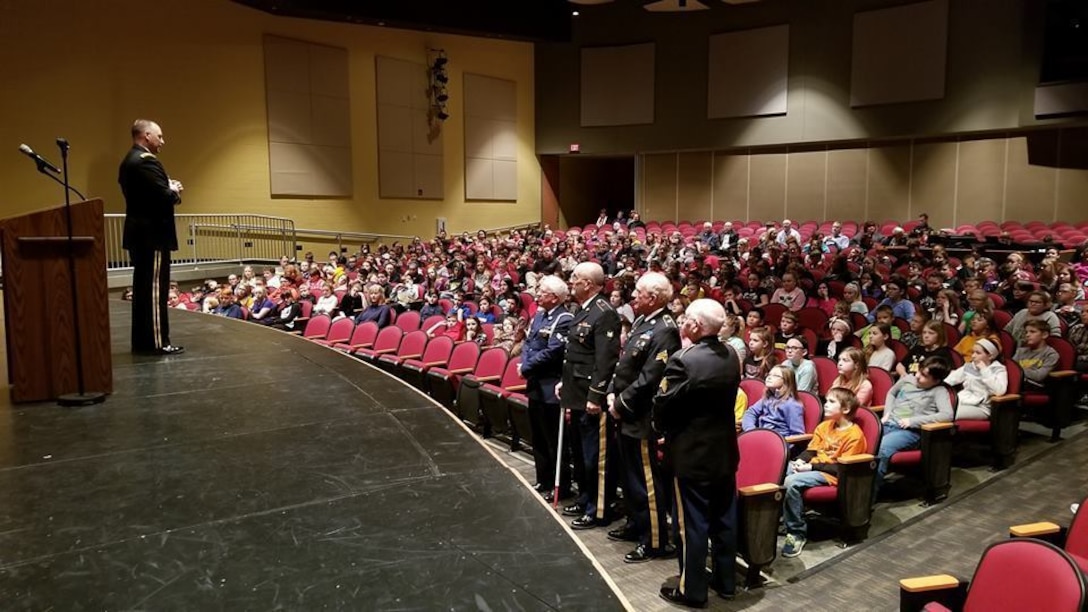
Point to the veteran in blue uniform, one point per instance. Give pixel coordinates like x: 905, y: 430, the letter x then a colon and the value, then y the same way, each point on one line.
x: 542, y: 367
x: 149, y: 236
x: 693, y: 411
x: 593, y: 346
x: 653, y: 338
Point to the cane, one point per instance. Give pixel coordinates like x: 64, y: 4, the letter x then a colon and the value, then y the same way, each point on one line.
x: 558, y: 458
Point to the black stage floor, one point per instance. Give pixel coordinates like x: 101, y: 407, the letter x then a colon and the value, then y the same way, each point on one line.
x: 258, y: 471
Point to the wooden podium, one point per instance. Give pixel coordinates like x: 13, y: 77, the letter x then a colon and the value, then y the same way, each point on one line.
x: 38, y: 304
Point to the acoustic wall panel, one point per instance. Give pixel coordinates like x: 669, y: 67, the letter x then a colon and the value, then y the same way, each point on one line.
x: 491, y: 138
x: 618, y: 85
x: 933, y: 182
x: 846, y: 175
x: 731, y: 187
x: 900, y: 54
x: 694, y: 194
x: 409, y: 148
x: 1030, y: 189
x: 980, y: 186
x: 806, y: 186
x: 747, y: 73
x: 659, y: 186
x: 889, y: 183
x: 767, y: 186
x: 309, y: 119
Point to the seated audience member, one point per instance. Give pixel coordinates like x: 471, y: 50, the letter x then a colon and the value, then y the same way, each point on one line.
x: 877, y: 352
x: 1078, y: 337
x: 619, y: 303
x: 304, y: 294
x: 982, y: 326
x: 754, y: 291
x: 883, y: 315
x: 451, y: 327
x: 1066, y: 307
x: 932, y: 345
x: 946, y: 308
x: 1038, y: 308
x: 895, y: 291
x: 754, y: 318
x: 327, y: 303
x: 226, y: 307
x: 760, y: 357
x: 474, y: 331
x: 693, y: 289
x: 779, y: 409
x: 740, y: 406
x: 978, y: 301
x: 484, y: 313
x: 913, y: 336
x: 352, y: 303
x: 431, y: 307
x: 824, y: 301
x: 854, y: 376
x: 1037, y: 358
x: 263, y: 310
x: 510, y: 334
x: 211, y: 303
x: 803, y: 369
x: 732, y: 333
x: 291, y: 310
x: 377, y: 310
x: 789, y: 294
x: 851, y: 294
x: 787, y: 329
x: 981, y: 378
x: 836, y: 436
x: 914, y: 400
x: 839, y: 340
x: 729, y: 300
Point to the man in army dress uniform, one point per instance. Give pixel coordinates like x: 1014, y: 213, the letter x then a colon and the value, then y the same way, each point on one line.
x: 693, y: 410
x: 653, y: 338
x: 593, y: 345
x: 149, y: 236
x: 542, y: 367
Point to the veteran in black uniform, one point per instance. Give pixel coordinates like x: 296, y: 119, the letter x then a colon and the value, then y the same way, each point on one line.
x: 542, y: 367
x: 693, y: 411
x: 149, y: 236
x: 593, y: 346
x: 653, y: 338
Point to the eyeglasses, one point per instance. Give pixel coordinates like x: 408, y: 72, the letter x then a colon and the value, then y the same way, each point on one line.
x: 793, y: 348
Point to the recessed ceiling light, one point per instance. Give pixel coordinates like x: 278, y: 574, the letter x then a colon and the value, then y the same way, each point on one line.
x: 574, y: 13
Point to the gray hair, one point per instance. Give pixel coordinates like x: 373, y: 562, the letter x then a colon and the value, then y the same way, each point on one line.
x: 657, y: 285
x: 708, y: 314
x: 591, y: 271
x: 554, y: 285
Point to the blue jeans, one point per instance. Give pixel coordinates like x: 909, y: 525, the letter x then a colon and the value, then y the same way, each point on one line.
x: 793, y: 509
x: 895, y: 439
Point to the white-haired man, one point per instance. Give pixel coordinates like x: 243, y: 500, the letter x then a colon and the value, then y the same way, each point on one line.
x: 593, y: 346
x: 653, y: 338
x: 693, y: 411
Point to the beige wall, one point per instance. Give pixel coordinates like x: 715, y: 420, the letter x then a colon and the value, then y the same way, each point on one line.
x: 85, y: 70
x: 955, y: 181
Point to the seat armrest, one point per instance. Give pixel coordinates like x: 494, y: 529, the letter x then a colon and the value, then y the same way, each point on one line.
x: 1034, y: 530
x: 938, y: 426
x: 416, y: 356
x: 798, y: 438
x: 516, y: 388
x: 488, y: 378
x: 877, y: 409
x: 758, y: 489
x: 461, y: 371
x: 1004, y: 399
x: 385, y: 351
x: 923, y: 584
x: 435, y: 364
x: 1060, y: 374
x: 859, y: 458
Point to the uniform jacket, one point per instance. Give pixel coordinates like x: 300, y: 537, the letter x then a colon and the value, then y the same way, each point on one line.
x: 693, y: 410
x: 149, y: 202
x: 542, y: 353
x: 593, y: 345
x: 638, y: 374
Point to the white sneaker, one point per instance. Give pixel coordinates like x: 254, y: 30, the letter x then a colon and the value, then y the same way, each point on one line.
x: 1074, y: 507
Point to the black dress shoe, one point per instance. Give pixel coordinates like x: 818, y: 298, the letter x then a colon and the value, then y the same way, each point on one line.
x: 586, y: 521
x: 719, y: 588
x: 574, y: 510
x: 643, y: 553
x: 672, y: 595
x: 623, y: 534
x: 541, y: 487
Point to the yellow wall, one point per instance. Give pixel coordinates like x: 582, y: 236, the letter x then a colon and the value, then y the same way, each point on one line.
x: 85, y: 69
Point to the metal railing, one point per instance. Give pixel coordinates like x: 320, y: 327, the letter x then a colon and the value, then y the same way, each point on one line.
x: 210, y: 238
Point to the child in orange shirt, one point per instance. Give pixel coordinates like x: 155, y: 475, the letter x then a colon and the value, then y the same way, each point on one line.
x: 837, y: 436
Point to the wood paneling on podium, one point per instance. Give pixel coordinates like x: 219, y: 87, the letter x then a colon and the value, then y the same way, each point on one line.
x: 38, y: 304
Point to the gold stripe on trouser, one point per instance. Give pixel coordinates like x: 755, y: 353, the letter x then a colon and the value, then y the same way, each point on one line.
x: 651, y: 496
x: 602, y: 449
x: 155, y: 323
x: 683, y: 535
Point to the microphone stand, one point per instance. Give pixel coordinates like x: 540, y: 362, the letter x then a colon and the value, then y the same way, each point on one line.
x: 82, y: 397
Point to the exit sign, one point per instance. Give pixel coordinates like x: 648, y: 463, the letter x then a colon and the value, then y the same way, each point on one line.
x: 575, y: 147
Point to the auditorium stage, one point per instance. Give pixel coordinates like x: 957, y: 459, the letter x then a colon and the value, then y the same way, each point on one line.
x: 260, y: 471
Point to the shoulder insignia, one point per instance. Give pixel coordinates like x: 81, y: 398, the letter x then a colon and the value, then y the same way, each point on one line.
x: 663, y: 357
x: 652, y: 322
x: 610, y: 334
x: 664, y: 385
x: 147, y: 155
x: 669, y: 321
x: 603, y: 304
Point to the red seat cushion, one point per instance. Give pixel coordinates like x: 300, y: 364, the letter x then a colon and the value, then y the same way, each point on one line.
x: 1082, y: 562
x: 822, y: 495
x: 907, y: 457
x: 973, y: 426
x: 415, y: 364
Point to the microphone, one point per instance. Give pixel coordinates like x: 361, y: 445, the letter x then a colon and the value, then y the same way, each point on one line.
x: 38, y: 159
x: 63, y: 144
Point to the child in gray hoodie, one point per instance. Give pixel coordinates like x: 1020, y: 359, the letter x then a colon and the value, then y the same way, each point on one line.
x: 913, y: 402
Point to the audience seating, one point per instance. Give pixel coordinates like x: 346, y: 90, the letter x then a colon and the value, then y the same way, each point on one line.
x: 411, y: 347
x: 519, y: 418
x: 933, y: 458
x: 1073, y: 539
x: 493, y: 406
x: 339, y: 332
x: 813, y: 319
x: 316, y: 328
x: 1017, y: 574
x: 361, y: 337
x: 408, y: 321
x: 489, y: 369
x: 851, y: 500
x: 1002, y: 429
x: 772, y: 314
x: 442, y: 382
x: 814, y: 414
x: 437, y: 353
x: 826, y: 373
x: 432, y: 321
x: 388, y: 341
x: 762, y: 469
x: 882, y: 382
